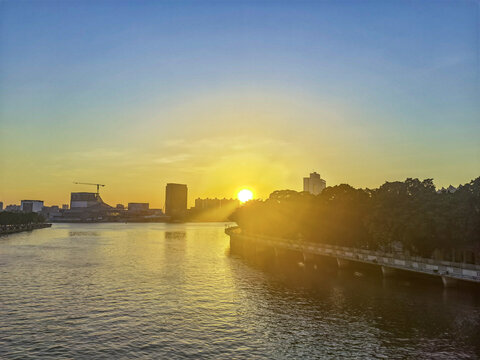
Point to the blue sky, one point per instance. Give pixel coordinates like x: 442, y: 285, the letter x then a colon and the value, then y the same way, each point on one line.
x: 360, y: 91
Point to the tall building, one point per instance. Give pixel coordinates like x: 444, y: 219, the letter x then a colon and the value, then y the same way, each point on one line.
x: 314, y: 184
x: 176, y: 200
x: 1, y: 206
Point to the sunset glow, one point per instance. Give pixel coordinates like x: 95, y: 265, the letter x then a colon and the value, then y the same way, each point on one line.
x: 245, y: 195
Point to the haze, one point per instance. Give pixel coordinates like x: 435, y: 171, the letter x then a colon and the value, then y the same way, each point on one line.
x: 227, y: 95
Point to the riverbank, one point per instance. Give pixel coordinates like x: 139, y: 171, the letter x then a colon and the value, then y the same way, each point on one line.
x: 12, y: 229
x: 312, y: 253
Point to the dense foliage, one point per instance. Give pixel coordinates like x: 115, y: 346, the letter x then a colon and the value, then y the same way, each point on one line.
x: 16, y: 218
x: 409, y: 214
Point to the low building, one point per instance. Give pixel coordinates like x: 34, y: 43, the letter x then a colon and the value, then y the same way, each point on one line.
x: 79, y: 200
x: 450, y: 190
x: 12, y: 208
x: 205, y: 204
x: 138, y: 207
x: 29, y: 206
x: 51, y: 212
x: 213, y: 209
x: 86, y: 207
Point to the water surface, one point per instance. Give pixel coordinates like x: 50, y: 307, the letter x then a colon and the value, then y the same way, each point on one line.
x: 150, y: 291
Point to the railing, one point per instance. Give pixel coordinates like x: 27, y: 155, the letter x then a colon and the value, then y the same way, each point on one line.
x: 462, y: 271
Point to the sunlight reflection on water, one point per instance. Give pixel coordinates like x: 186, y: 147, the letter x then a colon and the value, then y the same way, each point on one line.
x: 88, y: 291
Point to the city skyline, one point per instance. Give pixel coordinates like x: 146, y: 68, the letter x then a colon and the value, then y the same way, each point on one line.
x: 242, y: 195
x: 223, y: 96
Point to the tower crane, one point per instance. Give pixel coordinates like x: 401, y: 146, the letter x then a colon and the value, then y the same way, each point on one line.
x: 97, y: 185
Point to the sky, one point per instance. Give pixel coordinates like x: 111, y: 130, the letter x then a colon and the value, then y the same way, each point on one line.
x: 231, y: 94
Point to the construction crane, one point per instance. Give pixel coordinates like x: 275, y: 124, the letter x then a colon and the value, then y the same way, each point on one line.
x: 97, y: 185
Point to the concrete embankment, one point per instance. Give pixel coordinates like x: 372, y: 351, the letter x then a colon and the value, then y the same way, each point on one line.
x: 313, y: 254
x: 12, y: 229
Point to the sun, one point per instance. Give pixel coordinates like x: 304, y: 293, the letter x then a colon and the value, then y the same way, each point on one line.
x: 244, y: 195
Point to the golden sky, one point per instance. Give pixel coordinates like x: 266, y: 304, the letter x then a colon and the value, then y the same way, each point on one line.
x: 239, y: 94
x: 218, y: 144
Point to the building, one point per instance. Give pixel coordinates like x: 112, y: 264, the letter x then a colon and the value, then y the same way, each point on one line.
x: 29, y: 206
x: 138, y: 207
x: 450, y: 190
x: 120, y: 207
x: 314, y: 184
x: 85, y: 207
x: 65, y: 207
x: 176, y: 201
x: 12, y: 208
x: 1, y: 205
x: 79, y: 200
x: 213, y: 209
x: 51, y: 212
x: 206, y: 204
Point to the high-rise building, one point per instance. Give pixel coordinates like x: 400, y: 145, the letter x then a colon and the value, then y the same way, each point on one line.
x: 176, y: 200
x: 1, y: 205
x: 314, y: 184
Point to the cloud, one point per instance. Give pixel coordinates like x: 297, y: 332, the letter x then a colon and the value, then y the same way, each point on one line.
x: 172, y: 159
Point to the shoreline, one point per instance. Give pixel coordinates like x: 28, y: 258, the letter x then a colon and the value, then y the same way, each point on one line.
x: 270, y: 248
x: 13, y: 229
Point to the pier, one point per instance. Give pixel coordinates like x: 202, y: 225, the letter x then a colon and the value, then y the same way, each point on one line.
x: 390, y: 264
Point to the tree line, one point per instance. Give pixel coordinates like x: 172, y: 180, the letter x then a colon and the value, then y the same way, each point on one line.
x: 18, y: 218
x: 410, y: 215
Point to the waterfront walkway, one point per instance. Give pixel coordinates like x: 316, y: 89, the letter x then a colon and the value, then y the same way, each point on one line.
x: 448, y: 271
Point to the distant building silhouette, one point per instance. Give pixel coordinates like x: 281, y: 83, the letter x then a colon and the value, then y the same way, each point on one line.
x: 138, y: 207
x: 176, y: 200
x: 85, y: 207
x: 51, y: 212
x: 213, y: 209
x: 451, y: 189
x: 314, y: 184
x: 1, y: 205
x: 29, y: 206
x: 12, y: 207
x: 205, y: 204
x: 84, y: 200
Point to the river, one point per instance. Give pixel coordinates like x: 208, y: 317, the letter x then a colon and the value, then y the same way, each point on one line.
x: 173, y: 291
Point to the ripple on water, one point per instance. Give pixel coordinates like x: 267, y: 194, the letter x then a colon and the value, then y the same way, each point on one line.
x: 103, y: 291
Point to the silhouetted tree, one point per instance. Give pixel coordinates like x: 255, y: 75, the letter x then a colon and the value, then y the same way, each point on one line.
x: 15, y: 218
x: 410, y: 214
